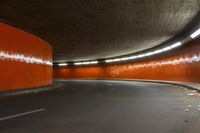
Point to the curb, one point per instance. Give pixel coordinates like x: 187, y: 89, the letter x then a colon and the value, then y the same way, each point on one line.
x: 55, y: 85
x: 175, y: 83
x: 169, y: 83
x: 58, y: 84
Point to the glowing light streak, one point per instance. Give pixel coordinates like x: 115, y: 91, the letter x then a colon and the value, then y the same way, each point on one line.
x: 24, y: 58
x: 146, y: 54
x: 153, y: 64
x: 195, y: 34
x: 63, y: 64
x: 86, y: 63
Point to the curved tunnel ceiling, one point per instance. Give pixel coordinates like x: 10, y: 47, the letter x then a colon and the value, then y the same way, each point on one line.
x: 94, y: 29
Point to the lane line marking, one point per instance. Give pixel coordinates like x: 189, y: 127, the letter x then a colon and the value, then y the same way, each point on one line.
x: 22, y: 114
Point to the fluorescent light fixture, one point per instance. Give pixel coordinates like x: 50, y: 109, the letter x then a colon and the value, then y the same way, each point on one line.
x: 166, y: 49
x: 113, y: 60
x: 93, y: 62
x: 85, y: 63
x: 125, y: 58
x: 132, y: 57
x: 146, y: 54
x: 140, y: 56
x: 78, y: 63
x: 176, y: 44
x: 157, y: 51
x: 108, y: 61
x: 63, y: 64
x: 171, y: 47
x: 149, y: 54
x: 118, y: 59
x: 195, y: 34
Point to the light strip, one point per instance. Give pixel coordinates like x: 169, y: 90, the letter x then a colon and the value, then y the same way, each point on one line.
x: 24, y: 58
x: 110, y: 60
x: 125, y: 58
x: 63, y: 64
x: 78, y: 63
x: 195, y: 34
x: 131, y: 57
x: 40, y: 61
x: 176, y: 45
x: 146, y: 54
x: 94, y: 62
x: 86, y: 63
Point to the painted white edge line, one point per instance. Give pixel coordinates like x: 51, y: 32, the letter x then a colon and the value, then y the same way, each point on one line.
x: 22, y: 114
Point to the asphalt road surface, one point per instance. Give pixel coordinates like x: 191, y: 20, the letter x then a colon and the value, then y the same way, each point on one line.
x: 92, y: 106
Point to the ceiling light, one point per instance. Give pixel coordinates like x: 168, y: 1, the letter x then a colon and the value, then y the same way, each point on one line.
x: 118, y: 59
x: 132, y: 57
x: 125, y: 58
x: 63, y: 64
x: 108, y: 61
x: 171, y: 47
x: 85, y: 63
x: 195, y: 34
x: 146, y: 54
x: 93, y: 62
x: 166, y: 48
x: 149, y: 54
x: 78, y: 63
x: 157, y: 51
x: 176, y: 44
x: 140, y: 56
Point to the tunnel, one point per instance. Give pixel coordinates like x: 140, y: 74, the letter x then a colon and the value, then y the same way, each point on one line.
x: 100, y: 66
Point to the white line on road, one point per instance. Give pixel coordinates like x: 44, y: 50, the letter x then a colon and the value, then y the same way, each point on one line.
x: 22, y: 114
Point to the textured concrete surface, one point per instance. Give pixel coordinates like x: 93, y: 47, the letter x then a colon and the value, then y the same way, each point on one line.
x: 93, y: 29
x: 103, y: 107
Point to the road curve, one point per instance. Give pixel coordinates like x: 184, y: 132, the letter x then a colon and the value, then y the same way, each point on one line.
x: 103, y: 106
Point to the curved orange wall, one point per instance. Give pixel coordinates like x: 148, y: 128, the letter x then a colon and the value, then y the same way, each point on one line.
x: 182, y: 64
x: 24, y: 60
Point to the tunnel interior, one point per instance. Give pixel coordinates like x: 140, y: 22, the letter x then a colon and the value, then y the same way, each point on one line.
x: 99, y: 66
x: 131, y: 39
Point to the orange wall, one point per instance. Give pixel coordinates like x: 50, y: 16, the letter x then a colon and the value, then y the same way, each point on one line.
x: 182, y: 64
x: 17, y: 73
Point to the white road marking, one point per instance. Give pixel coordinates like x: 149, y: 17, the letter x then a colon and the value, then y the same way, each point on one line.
x: 22, y: 114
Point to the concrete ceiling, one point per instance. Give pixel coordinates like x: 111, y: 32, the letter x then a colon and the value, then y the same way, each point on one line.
x: 94, y: 29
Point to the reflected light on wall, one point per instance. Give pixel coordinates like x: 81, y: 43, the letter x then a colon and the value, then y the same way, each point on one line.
x: 153, y: 64
x: 24, y: 58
